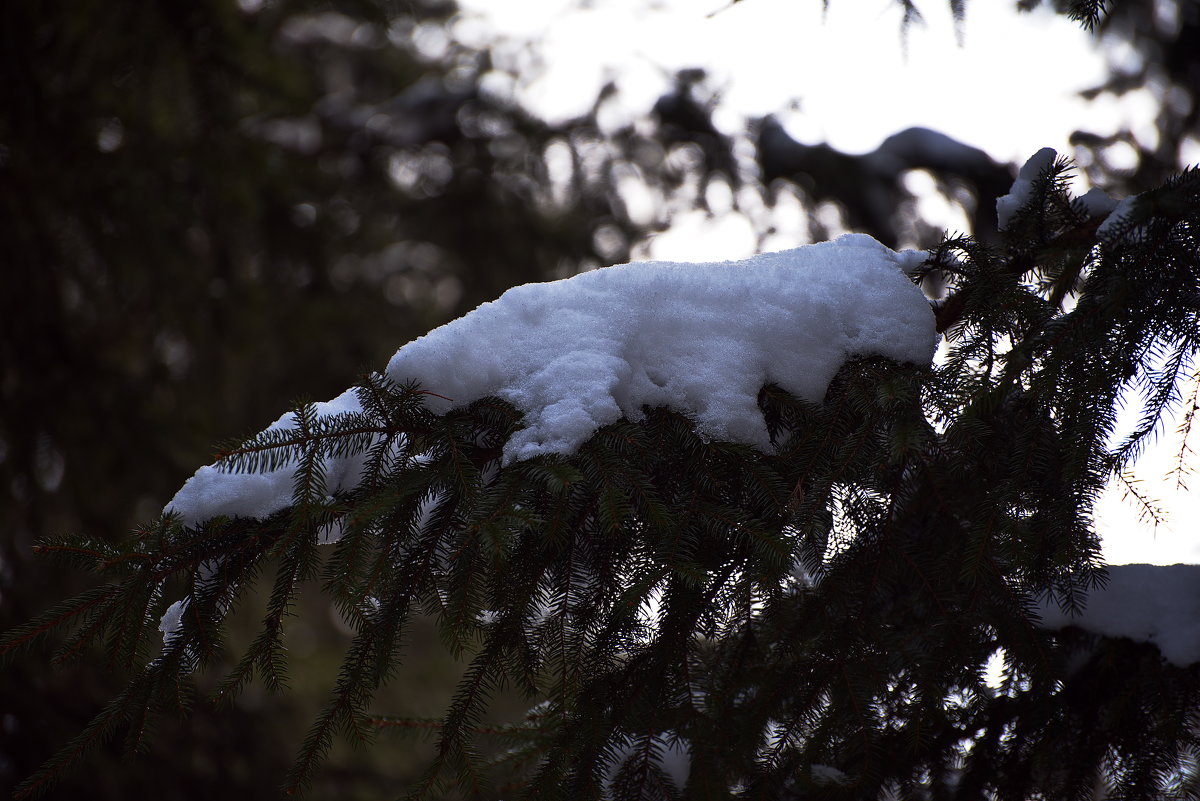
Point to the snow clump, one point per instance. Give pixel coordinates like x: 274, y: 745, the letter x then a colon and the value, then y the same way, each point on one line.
x: 580, y: 353
x: 1097, y: 202
x: 1022, y: 188
x: 1116, y: 220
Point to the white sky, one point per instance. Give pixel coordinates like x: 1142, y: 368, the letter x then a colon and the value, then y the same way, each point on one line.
x: 1009, y: 89
x: 846, y: 78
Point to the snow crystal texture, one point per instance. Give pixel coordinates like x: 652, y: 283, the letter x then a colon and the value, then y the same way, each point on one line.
x: 578, y: 354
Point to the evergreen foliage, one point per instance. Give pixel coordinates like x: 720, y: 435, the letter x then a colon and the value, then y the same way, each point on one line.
x: 813, y: 622
x: 187, y: 194
x: 171, y: 240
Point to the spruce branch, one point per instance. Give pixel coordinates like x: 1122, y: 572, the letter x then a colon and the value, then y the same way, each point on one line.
x: 830, y: 601
x: 55, y: 619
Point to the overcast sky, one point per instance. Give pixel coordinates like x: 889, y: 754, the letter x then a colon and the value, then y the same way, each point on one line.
x: 1009, y: 88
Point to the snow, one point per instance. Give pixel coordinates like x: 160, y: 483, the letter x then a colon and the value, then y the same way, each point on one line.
x: 1159, y: 604
x: 581, y: 353
x: 214, y: 491
x: 172, y: 619
x: 827, y: 774
x: 577, y: 354
x: 1116, y: 219
x: 1097, y: 202
x: 673, y: 755
x: 1022, y: 188
x: 677, y: 761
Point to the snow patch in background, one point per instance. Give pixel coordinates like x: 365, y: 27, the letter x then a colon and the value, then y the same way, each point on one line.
x: 580, y: 353
x: 673, y: 755
x: 1159, y: 604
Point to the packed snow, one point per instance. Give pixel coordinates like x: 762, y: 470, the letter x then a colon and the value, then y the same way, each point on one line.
x: 577, y: 354
x: 1022, y: 188
x: 1147, y: 603
x: 214, y: 491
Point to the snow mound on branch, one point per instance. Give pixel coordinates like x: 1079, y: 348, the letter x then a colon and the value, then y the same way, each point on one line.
x: 1097, y: 202
x: 1147, y: 603
x: 1022, y: 188
x: 213, y: 491
x: 1116, y: 219
x: 580, y: 353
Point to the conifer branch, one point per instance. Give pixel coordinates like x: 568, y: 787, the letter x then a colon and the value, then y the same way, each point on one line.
x: 64, y: 614
x: 829, y: 601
